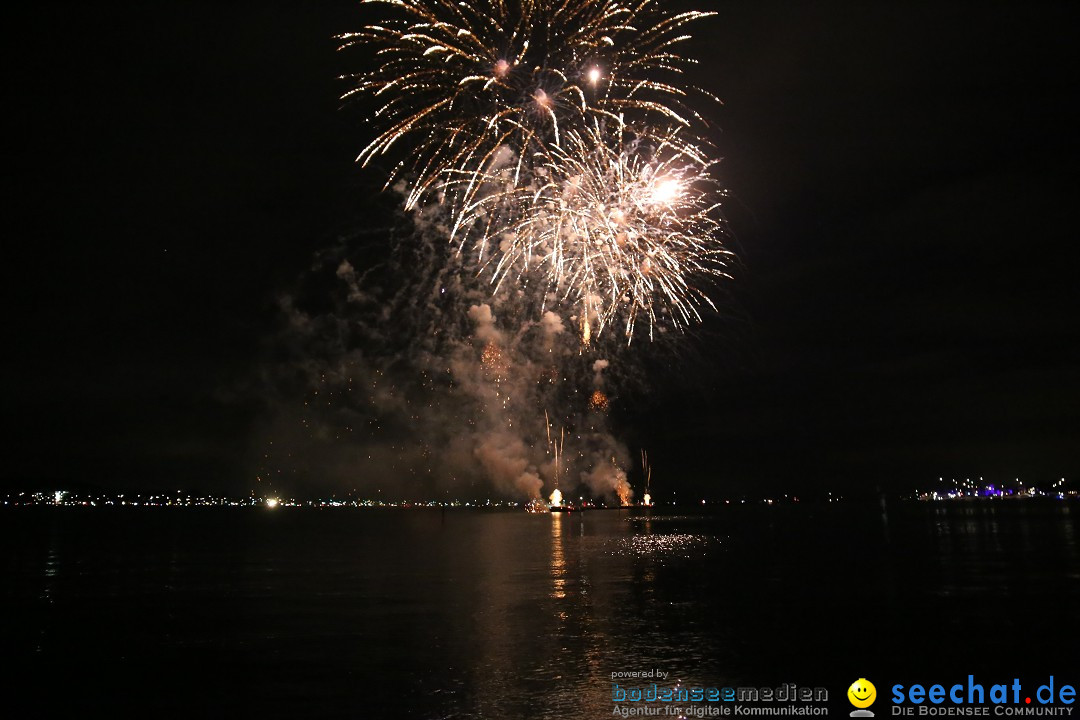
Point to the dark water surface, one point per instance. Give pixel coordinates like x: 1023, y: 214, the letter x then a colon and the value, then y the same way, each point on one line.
x: 416, y: 614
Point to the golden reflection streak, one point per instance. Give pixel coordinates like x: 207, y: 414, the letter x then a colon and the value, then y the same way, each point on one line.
x: 558, y: 558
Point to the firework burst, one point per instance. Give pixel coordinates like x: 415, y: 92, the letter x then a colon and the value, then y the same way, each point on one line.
x: 458, y: 83
x: 617, y: 226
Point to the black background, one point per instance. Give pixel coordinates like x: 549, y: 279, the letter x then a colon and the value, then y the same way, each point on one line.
x: 903, y: 185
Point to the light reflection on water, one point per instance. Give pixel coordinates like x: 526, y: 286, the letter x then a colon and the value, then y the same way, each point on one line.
x: 659, y: 546
x: 515, y: 615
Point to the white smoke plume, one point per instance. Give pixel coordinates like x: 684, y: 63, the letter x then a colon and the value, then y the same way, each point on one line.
x: 411, y: 379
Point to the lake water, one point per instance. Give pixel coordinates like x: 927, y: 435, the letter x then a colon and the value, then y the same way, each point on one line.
x: 468, y: 614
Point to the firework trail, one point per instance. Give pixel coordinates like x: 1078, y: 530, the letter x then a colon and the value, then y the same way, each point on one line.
x: 646, y: 469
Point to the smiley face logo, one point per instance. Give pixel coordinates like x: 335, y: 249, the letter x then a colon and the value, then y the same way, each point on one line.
x: 862, y: 693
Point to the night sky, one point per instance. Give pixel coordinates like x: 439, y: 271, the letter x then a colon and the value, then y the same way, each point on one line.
x: 903, y: 185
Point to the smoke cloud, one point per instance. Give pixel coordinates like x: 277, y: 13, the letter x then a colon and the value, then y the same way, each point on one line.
x: 413, y: 380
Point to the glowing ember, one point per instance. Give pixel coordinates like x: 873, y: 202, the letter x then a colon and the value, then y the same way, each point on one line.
x: 536, y: 505
x: 493, y: 361
x: 598, y: 402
